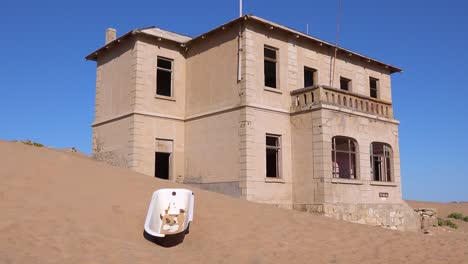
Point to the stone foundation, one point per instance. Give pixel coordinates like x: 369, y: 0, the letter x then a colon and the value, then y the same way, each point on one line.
x: 110, y: 158
x: 428, y: 217
x: 392, y: 216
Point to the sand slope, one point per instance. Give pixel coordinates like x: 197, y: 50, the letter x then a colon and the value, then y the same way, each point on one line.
x: 58, y: 207
x: 444, y: 209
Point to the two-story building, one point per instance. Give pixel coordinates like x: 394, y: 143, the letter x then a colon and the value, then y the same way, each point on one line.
x: 255, y: 110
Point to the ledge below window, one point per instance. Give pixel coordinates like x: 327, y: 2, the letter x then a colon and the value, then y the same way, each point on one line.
x: 274, y: 180
x: 347, y: 181
x: 273, y: 90
x: 380, y: 183
x: 163, y: 97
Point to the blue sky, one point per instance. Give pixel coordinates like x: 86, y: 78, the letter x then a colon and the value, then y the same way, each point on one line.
x: 47, y: 88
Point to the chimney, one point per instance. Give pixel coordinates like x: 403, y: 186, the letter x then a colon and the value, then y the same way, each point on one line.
x: 111, y: 34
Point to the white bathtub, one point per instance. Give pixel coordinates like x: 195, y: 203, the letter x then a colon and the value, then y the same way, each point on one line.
x: 169, y: 205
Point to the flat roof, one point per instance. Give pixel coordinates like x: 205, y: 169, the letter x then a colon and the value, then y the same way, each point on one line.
x: 186, y: 41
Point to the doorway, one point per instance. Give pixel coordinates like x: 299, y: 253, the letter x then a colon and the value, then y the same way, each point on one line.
x: 163, y: 158
x: 162, y: 165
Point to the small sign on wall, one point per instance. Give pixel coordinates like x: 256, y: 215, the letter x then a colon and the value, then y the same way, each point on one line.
x: 383, y: 194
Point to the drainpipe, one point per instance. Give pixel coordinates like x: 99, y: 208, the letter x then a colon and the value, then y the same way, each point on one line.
x: 239, y: 50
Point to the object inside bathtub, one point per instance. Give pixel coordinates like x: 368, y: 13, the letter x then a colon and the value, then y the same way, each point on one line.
x: 172, y: 219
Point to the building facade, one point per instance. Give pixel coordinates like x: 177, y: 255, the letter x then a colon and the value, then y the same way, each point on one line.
x: 254, y: 110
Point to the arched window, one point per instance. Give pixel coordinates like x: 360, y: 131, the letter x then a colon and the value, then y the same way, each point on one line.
x: 381, y: 162
x: 344, y: 151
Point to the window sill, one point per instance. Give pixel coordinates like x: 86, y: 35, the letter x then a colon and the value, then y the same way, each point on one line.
x: 163, y: 97
x: 274, y: 180
x: 273, y: 90
x: 379, y: 183
x: 347, y: 181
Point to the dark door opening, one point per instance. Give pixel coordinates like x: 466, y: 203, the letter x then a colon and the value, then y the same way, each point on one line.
x: 161, y: 165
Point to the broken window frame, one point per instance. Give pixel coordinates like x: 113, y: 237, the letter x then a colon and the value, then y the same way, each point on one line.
x: 277, y: 150
x: 348, y: 83
x: 352, y: 162
x: 386, y: 158
x: 275, y: 63
x: 372, y: 89
x: 171, y: 71
x: 314, y: 76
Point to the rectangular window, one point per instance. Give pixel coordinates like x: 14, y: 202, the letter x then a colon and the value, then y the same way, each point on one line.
x: 344, y: 158
x: 374, y: 84
x: 273, y: 149
x: 345, y: 84
x: 164, y: 77
x: 309, y: 77
x: 270, y: 69
x: 381, y: 167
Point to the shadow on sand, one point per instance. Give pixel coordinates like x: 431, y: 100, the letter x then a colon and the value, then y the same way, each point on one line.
x: 168, y: 240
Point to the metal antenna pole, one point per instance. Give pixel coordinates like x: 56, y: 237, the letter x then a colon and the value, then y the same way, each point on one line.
x: 240, y: 8
x: 332, y: 79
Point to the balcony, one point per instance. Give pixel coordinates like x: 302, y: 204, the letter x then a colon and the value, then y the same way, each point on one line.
x: 305, y: 98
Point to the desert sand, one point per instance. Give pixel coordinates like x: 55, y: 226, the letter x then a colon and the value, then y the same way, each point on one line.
x: 444, y: 209
x: 59, y: 207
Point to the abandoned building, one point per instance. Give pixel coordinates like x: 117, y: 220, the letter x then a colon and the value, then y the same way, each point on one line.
x: 255, y: 110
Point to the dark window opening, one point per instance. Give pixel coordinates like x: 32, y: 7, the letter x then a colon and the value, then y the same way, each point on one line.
x: 381, y: 156
x: 270, y: 67
x: 165, y: 64
x: 345, y: 84
x: 374, y: 84
x: 309, y: 77
x: 164, y: 77
x: 161, y: 165
x: 272, y: 156
x: 344, y: 151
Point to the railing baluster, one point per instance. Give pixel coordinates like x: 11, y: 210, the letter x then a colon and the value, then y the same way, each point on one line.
x: 308, y: 97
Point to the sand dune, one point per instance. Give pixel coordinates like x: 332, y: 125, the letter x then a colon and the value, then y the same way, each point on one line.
x: 58, y: 207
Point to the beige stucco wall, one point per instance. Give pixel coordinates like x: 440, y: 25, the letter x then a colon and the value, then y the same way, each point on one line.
x: 278, y: 98
x: 326, y: 124
x: 359, y: 72
x: 114, y: 86
x: 295, y: 53
x: 212, y: 149
x: 212, y: 73
x: 364, y: 131
x: 147, y: 51
x: 146, y: 130
x: 305, y: 185
x: 260, y: 188
x: 112, y: 142
x: 350, y: 67
x: 114, y: 82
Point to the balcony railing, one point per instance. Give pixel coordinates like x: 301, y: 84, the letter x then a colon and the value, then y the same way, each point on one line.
x: 305, y: 98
